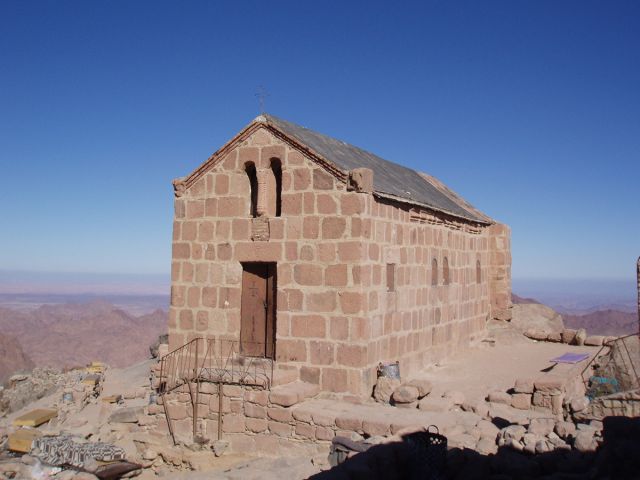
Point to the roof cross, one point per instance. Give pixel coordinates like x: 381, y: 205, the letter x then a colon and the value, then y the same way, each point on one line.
x: 261, y: 95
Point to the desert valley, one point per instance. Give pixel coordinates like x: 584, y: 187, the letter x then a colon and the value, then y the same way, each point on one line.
x: 68, y: 334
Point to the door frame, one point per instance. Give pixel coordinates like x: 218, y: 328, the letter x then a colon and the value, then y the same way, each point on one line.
x: 271, y: 304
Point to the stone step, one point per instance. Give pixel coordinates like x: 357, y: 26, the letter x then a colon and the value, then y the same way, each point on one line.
x: 293, y: 393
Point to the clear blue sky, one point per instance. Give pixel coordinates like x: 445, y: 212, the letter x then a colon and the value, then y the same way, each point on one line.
x: 531, y: 110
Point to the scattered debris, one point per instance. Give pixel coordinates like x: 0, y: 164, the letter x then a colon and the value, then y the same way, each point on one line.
x: 67, y: 450
x: 35, y: 418
x: 21, y: 440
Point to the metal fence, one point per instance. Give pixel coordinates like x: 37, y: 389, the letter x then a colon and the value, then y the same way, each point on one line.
x: 615, y: 367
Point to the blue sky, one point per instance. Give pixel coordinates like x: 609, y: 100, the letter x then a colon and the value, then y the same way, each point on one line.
x: 531, y: 110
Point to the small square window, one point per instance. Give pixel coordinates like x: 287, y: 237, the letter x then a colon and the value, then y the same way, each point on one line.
x: 391, y: 277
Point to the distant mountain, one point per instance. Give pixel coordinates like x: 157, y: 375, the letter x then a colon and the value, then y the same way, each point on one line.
x: 12, y: 358
x: 604, y: 322
x: 69, y: 335
x: 521, y: 300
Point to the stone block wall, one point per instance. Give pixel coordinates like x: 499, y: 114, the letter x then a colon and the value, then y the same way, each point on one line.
x: 332, y: 244
x: 315, y: 243
x: 500, y: 271
x: 426, y: 316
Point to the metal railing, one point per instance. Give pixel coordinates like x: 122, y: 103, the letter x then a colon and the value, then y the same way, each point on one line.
x: 216, y: 360
x: 614, y: 368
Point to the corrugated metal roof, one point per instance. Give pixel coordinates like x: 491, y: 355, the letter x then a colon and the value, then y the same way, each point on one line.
x: 388, y: 177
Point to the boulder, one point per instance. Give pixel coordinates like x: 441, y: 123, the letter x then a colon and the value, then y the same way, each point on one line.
x: 499, y: 397
x: 220, y: 446
x: 384, y: 389
x: 568, y: 335
x: 580, y: 337
x: 405, y: 394
x: 542, y: 446
x: 555, y: 337
x: 556, y: 441
x: 535, y: 334
x: 513, y: 432
x: 541, y: 426
x: 529, y: 441
x: 594, y: 340
x: 537, y: 317
x: 149, y: 454
x: 424, y: 386
x: 487, y: 429
x: 486, y: 446
x: 478, y: 407
x: 579, y: 404
x: 514, y: 445
x: 585, y: 441
x: 565, y: 430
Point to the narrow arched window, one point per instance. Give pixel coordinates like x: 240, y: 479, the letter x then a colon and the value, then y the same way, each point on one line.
x: 478, y: 272
x: 434, y: 272
x: 276, y: 168
x: 445, y: 271
x: 438, y: 316
x: 250, y: 169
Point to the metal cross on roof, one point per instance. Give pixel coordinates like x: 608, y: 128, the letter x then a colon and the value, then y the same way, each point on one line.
x: 262, y: 94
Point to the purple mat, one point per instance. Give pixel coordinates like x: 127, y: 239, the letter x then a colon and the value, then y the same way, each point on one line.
x: 570, y: 358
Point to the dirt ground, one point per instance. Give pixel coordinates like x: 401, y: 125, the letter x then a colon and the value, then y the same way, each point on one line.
x: 495, y: 366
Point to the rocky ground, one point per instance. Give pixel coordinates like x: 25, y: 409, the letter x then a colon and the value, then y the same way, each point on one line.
x: 474, y: 399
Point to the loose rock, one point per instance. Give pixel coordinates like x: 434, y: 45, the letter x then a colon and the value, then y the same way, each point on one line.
x: 580, y: 337
x: 568, y: 335
x: 405, y: 394
x: 384, y: 389
x: 565, y: 430
x: 424, y: 386
x: 541, y: 426
x: 584, y: 441
x: 499, y: 397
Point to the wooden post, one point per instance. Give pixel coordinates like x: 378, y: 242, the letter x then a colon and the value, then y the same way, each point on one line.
x: 195, y: 400
x: 220, y: 394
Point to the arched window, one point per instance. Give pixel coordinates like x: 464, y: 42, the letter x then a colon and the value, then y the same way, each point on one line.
x: 434, y: 272
x: 478, y: 272
x: 276, y: 168
x: 250, y: 168
x: 438, y: 316
x: 445, y: 271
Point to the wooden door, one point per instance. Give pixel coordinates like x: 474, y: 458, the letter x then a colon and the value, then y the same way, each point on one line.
x: 257, y: 314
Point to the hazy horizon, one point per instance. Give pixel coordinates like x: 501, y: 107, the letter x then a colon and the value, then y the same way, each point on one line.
x: 26, y: 287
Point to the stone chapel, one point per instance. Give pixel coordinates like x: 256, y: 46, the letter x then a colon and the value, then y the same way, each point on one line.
x: 328, y: 260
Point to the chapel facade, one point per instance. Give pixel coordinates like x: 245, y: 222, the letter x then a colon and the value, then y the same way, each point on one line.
x: 329, y: 260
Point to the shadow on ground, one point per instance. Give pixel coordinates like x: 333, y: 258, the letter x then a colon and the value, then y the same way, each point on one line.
x: 618, y: 457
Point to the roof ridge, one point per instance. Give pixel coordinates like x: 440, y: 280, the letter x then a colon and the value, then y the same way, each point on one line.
x: 389, y: 178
